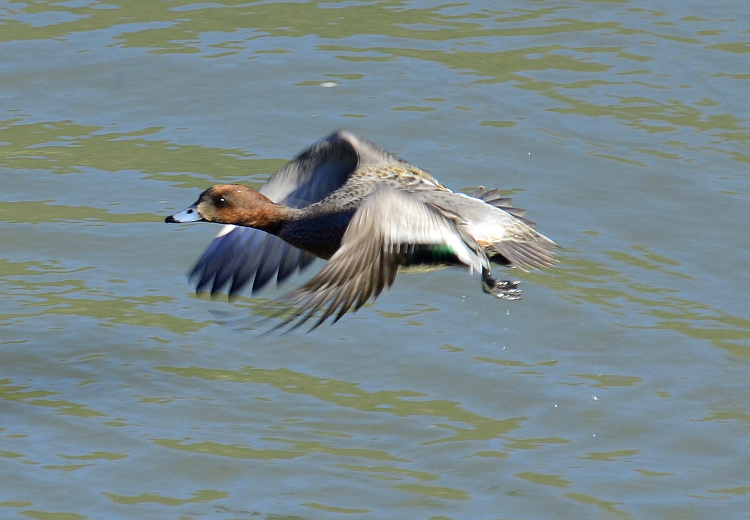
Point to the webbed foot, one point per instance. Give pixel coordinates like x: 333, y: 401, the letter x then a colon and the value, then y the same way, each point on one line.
x: 504, y: 289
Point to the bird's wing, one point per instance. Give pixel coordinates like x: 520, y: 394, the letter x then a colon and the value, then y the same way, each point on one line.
x: 239, y: 254
x: 507, y: 237
x: 390, y: 229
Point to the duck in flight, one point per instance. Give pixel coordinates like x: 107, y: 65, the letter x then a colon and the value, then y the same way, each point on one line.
x: 366, y: 211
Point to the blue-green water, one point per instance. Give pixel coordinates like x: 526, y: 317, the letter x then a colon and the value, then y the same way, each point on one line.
x: 618, y: 388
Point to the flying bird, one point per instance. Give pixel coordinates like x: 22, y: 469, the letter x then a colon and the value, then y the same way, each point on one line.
x: 369, y: 214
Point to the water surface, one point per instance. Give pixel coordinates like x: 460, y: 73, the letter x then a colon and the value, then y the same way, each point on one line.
x: 616, y: 389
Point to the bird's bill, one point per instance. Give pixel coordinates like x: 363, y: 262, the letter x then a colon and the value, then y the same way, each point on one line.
x: 189, y: 215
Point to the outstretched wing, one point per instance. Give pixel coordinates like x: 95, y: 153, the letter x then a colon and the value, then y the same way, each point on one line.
x: 239, y: 254
x: 390, y: 229
x: 506, y: 235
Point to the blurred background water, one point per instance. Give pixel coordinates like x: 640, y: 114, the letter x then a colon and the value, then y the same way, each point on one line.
x: 618, y: 388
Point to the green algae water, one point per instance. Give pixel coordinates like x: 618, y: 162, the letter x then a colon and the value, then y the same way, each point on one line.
x: 617, y: 388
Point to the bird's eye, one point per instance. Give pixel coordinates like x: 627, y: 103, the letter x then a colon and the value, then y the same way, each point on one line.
x: 220, y: 201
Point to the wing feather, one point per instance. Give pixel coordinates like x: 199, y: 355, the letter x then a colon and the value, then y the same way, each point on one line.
x: 239, y: 254
x: 380, y: 237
